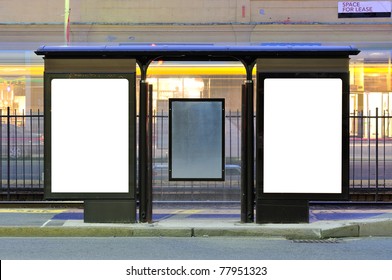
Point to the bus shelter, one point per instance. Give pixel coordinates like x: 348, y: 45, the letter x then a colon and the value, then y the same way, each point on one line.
x: 106, y: 181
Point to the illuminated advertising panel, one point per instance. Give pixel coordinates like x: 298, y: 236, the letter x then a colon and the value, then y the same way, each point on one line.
x: 89, y: 149
x: 304, y: 137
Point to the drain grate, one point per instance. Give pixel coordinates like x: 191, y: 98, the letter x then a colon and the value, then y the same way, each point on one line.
x: 321, y: 241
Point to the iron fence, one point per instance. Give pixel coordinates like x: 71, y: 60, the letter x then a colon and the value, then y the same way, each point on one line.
x: 228, y: 190
x: 371, y: 155
x: 21, y: 144
x: 22, y: 174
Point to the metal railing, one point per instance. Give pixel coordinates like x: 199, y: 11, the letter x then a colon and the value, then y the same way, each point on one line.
x: 371, y: 155
x: 21, y: 172
x: 21, y: 141
x: 228, y: 190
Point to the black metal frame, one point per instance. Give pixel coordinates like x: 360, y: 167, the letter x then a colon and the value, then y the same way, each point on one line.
x: 219, y: 100
x: 145, y: 151
x: 344, y: 195
x: 48, y: 77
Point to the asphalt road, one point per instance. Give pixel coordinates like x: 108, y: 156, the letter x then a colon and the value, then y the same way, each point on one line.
x: 207, y: 248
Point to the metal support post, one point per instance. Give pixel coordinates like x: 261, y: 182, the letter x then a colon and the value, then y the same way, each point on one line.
x: 149, y: 157
x: 8, y: 153
x: 145, y: 213
x: 247, y: 154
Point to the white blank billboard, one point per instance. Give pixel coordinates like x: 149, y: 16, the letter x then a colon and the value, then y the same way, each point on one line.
x: 302, y: 135
x: 89, y: 135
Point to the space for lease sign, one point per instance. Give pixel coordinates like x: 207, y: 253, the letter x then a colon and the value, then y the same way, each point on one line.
x: 364, y: 9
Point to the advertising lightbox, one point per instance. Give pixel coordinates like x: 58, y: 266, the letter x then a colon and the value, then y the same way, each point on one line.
x: 304, y: 136
x: 89, y: 151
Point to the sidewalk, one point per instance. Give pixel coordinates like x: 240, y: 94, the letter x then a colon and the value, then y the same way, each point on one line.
x: 325, y: 223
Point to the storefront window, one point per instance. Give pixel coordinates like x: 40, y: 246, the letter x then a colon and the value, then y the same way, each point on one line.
x: 371, y: 95
x: 21, y: 82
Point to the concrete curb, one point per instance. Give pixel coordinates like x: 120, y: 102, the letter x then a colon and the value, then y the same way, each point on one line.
x: 298, y: 233
x: 381, y: 227
x: 90, y: 232
x: 340, y: 232
x: 208, y: 228
x: 318, y: 230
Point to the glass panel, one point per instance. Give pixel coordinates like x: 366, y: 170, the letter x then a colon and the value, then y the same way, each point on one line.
x: 196, y: 139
